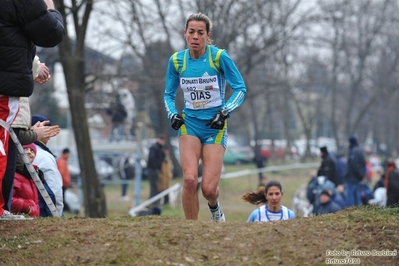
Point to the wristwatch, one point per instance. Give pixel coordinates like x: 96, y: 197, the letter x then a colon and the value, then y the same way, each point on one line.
x: 224, y: 112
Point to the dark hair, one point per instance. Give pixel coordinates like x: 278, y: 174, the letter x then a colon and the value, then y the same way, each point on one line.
x: 201, y: 17
x: 161, y: 136
x: 324, y: 149
x: 66, y: 150
x: 259, y: 196
x: 273, y: 183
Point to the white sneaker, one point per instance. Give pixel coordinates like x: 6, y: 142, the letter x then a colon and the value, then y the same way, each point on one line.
x: 217, y: 214
x: 125, y: 198
x: 9, y: 216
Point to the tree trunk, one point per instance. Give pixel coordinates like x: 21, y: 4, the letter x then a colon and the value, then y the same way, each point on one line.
x: 72, y: 57
x: 94, y: 198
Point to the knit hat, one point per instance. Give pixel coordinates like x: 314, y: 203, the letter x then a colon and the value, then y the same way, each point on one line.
x: 39, y: 118
x: 325, y: 192
x: 323, y: 149
x: 352, y: 140
x: 32, y: 146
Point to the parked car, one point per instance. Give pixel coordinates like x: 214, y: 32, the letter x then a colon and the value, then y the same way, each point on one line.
x: 104, y: 169
x: 238, y: 155
x: 266, y: 151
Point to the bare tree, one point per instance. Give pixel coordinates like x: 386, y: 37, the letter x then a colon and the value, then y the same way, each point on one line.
x: 72, y: 57
x: 357, y: 28
x: 273, y: 44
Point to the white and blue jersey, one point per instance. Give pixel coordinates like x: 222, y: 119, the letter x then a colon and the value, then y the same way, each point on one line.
x: 263, y: 214
x: 203, y: 82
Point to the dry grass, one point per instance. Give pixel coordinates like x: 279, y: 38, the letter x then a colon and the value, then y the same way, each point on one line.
x: 171, y: 240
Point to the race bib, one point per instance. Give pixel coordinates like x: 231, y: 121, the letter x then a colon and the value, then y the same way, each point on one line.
x: 201, y: 93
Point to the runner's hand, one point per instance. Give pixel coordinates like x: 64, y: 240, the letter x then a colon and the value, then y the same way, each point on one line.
x: 217, y: 122
x: 177, y: 121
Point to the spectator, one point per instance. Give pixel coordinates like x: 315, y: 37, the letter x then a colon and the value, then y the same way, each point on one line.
x: 320, y: 183
x: 380, y: 183
x: 126, y: 173
x: 45, y: 160
x: 26, y: 134
x: 316, y: 185
x: 259, y: 161
x: 166, y: 175
x: 340, y: 171
x: 392, y: 184
x: 356, y: 167
x: 25, y: 197
x: 269, y: 202
x: 118, y: 115
x: 369, y: 171
x: 155, y: 158
x: 25, y: 24
x: 327, y: 167
x: 62, y: 165
x: 379, y: 192
x: 379, y: 197
x: 325, y: 203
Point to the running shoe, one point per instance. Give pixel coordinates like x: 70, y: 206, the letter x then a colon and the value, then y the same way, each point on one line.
x: 9, y: 216
x: 217, y: 214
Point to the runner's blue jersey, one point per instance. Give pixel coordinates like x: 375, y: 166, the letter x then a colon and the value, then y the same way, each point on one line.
x: 263, y: 214
x: 203, y: 82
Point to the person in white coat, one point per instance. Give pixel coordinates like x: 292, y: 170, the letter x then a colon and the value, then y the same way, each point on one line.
x: 46, y: 161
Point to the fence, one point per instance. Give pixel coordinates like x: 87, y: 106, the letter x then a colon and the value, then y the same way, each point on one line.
x: 175, y: 190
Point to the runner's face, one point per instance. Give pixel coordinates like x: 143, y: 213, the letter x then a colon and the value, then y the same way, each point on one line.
x: 196, y: 36
x: 273, y: 197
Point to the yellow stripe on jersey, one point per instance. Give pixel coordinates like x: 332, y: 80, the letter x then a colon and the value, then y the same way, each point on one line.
x: 184, y: 62
x: 175, y: 62
x: 217, y: 60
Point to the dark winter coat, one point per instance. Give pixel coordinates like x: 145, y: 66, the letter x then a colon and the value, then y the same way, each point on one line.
x: 329, y: 207
x: 126, y: 168
x: 156, y: 157
x: 118, y: 113
x: 24, y: 24
x: 340, y: 170
x: 393, y: 188
x: 327, y: 169
x: 356, y: 165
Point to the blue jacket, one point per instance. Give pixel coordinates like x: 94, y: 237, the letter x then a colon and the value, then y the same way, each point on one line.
x: 329, y: 207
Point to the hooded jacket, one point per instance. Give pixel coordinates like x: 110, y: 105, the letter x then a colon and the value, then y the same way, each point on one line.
x: 23, y: 25
x: 356, y: 165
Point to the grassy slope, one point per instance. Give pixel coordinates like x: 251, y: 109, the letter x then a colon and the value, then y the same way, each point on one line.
x: 174, y: 241
x: 171, y: 240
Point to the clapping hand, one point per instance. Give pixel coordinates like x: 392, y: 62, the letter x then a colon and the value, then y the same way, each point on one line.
x: 44, y: 74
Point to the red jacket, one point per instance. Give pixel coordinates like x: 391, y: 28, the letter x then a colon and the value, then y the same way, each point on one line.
x: 25, y: 196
